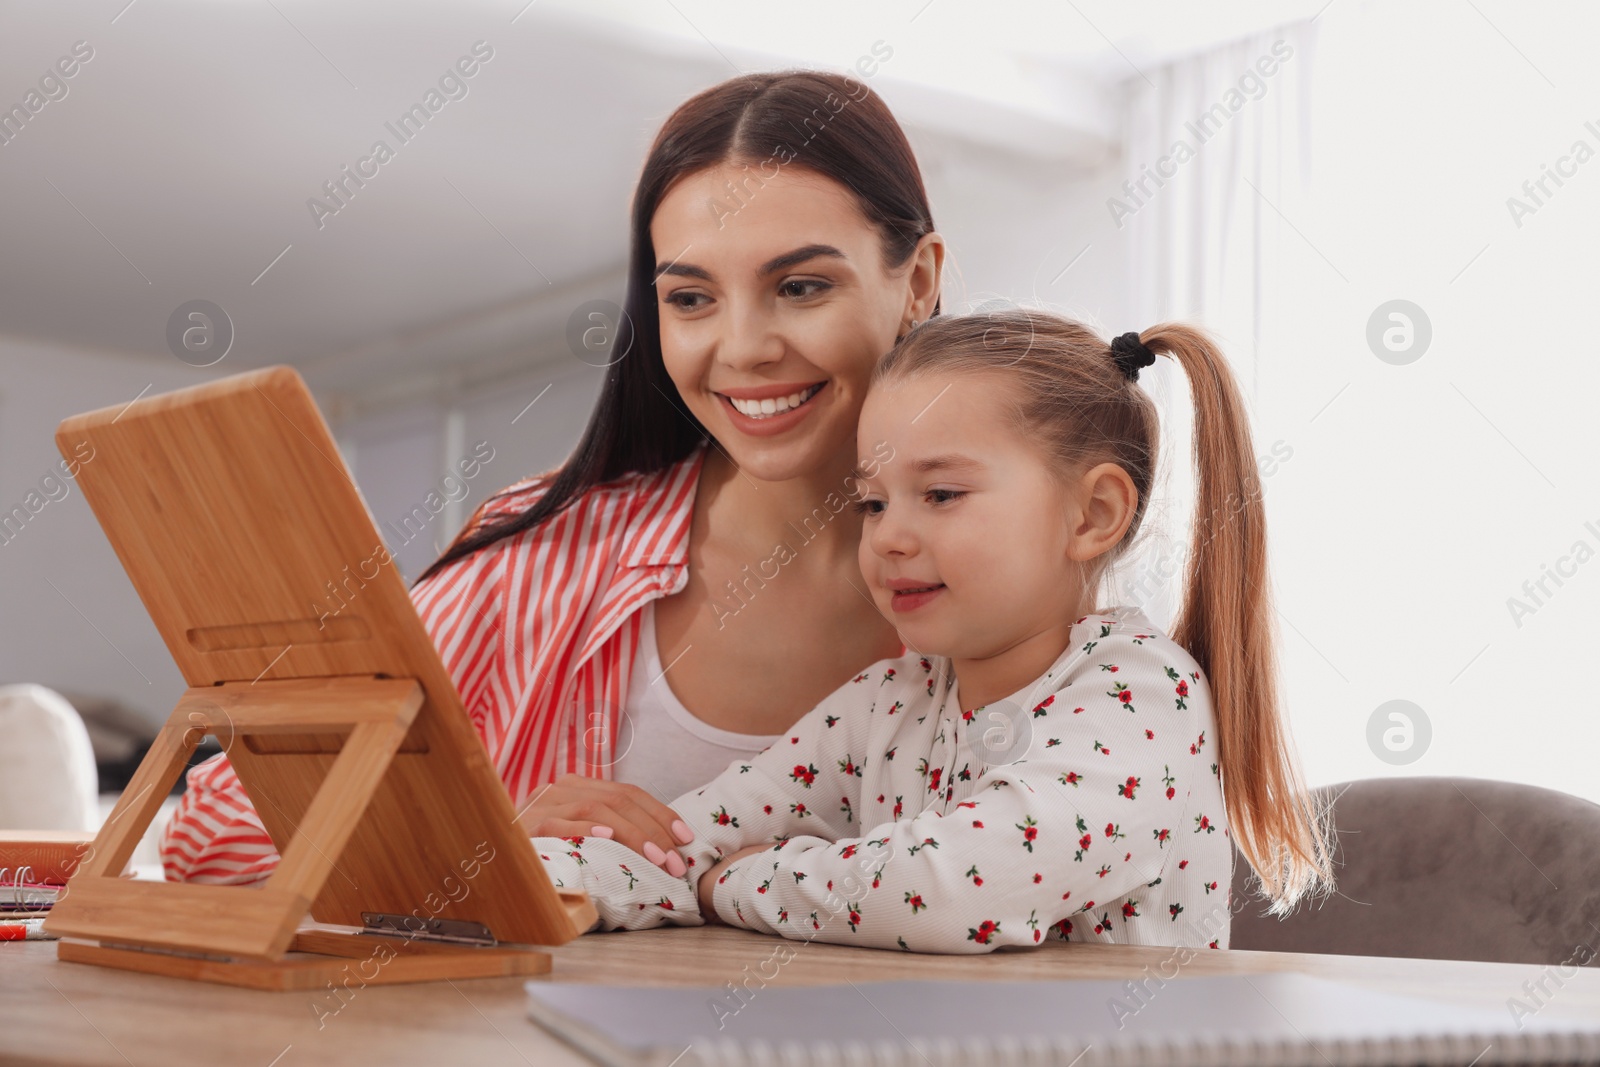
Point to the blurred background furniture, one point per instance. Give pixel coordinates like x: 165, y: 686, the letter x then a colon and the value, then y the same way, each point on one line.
x: 1447, y: 868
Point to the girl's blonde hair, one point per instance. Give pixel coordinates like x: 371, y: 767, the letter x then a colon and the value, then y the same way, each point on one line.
x: 1071, y: 398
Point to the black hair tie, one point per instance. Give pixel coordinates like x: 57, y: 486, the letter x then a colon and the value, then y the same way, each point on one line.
x: 1130, y: 354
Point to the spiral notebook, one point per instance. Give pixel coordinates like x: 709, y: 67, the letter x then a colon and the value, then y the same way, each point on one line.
x: 1237, y: 1020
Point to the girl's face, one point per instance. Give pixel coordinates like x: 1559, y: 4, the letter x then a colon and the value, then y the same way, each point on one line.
x: 966, y: 535
x: 774, y: 306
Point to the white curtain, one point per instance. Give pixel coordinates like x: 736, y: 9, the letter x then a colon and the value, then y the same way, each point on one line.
x: 1215, y: 163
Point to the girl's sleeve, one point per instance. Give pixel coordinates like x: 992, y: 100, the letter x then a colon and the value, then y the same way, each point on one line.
x: 629, y: 892
x: 1081, y: 822
x: 803, y: 787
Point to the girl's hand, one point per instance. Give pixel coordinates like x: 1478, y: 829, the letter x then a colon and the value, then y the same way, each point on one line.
x: 708, y: 881
x: 575, y: 805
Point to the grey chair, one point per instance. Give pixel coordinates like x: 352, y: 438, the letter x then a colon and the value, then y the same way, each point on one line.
x: 1446, y: 868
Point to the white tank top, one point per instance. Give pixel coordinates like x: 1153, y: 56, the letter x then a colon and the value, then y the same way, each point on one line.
x: 666, y: 750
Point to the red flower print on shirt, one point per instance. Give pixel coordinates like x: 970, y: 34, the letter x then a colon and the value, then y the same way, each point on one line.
x: 805, y: 774
x: 1030, y: 831
x: 1181, y: 689
x: 984, y: 930
x: 915, y: 900
x: 972, y: 872
x: 722, y: 818
x: 1039, y: 708
x: 1123, y: 694
x: 1203, y: 822
x: 1126, y: 788
x: 1071, y: 778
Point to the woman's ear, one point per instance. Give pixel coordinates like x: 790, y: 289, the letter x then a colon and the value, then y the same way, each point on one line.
x: 927, y: 268
x: 1102, y: 511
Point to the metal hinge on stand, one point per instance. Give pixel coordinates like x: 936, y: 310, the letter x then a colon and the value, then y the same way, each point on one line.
x: 452, y: 931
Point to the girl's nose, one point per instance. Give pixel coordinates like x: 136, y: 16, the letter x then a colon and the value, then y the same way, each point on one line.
x: 891, y: 537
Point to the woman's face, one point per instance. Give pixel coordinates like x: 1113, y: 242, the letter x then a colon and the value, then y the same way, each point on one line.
x: 775, y: 301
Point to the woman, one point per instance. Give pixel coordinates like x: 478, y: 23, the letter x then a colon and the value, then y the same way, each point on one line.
x: 782, y: 242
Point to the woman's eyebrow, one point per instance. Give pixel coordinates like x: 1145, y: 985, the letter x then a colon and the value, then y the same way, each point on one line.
x: 771, y: 266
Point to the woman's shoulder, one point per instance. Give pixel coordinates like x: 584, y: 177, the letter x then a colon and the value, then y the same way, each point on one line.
x: 634, y: 491
x: 635, y: 505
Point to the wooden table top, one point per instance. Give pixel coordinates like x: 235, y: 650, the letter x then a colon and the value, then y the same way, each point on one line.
x: 54, y: 1012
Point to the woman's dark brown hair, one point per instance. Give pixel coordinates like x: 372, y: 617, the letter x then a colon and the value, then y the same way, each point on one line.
x: 1072, y: 399
x: 827, y: 123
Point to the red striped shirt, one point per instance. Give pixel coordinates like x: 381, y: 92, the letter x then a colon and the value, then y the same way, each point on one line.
x: 538, y: 632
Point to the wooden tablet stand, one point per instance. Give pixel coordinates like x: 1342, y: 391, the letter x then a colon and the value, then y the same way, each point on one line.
x: 344, y: 728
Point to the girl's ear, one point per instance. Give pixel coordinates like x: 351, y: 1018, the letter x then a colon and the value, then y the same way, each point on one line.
x: 1104, y: 507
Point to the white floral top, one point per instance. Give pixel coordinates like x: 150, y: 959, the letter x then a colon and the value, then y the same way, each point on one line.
x: 1087, y: 806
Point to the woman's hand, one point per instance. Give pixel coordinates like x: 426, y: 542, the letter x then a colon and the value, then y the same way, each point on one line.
x: 575, y: 805
x: 708, y: 881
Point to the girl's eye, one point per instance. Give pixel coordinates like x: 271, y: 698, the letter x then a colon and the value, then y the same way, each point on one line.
x: 803, y: 287
x: 940, y: 496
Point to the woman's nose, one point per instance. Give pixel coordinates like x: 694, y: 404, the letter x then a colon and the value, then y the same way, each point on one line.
x: 750, y: 337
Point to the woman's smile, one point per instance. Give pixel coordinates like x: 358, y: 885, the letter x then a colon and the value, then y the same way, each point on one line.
x: 769, y: 409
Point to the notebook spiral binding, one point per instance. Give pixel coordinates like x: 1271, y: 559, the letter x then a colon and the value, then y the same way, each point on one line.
x: 1209, y: 1051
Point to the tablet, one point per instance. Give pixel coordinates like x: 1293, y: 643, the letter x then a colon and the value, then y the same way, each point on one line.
x: 252, y: 549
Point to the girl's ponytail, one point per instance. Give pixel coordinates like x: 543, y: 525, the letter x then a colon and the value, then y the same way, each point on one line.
x: 1226, y: 623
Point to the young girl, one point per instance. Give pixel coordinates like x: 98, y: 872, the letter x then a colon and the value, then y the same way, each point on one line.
x: 1032, y: 765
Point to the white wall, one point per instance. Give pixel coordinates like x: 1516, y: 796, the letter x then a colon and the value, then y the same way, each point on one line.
x: 71, y: 619
x: 1421, y: 497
